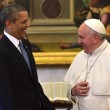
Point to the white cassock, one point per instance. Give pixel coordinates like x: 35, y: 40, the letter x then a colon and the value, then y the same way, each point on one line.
x: 96, y: 67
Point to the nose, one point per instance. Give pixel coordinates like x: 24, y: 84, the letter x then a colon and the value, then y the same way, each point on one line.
x: 79, y: 41
x: 28, y: 23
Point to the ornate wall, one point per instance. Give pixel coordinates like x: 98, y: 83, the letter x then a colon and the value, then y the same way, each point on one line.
x: 52, y: 23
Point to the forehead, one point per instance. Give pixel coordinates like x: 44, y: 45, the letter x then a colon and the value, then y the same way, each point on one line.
x: 23, y: 14
x: 83, y: 29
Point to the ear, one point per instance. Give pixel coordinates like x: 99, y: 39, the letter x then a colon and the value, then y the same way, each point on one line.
x: 8, y: 24
x: 96, y: 39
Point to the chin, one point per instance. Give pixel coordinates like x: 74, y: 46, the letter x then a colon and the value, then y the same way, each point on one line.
x: 86, y: 52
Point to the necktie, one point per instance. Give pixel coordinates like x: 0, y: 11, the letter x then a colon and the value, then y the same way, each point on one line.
x: 24, y: 54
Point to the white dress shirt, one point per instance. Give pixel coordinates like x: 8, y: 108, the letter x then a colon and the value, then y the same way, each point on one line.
x: 13, y: 40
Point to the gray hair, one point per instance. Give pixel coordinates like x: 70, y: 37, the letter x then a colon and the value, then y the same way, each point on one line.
x: 102, y: 36
x: 11, y: 12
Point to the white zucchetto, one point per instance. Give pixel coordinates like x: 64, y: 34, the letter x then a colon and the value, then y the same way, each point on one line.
x: 96, y: 25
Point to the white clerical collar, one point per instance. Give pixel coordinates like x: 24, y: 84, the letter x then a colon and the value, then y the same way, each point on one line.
x: 101, y: 48
x: 12, y: 39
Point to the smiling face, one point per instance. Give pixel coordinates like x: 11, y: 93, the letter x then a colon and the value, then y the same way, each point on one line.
x: 17, y: 29
x: 86, y: 39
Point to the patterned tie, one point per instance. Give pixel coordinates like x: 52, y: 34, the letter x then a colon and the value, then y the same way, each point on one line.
x: 24, y: 54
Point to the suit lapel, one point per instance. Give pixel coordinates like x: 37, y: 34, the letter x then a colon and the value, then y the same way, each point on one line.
x: 15, y: 53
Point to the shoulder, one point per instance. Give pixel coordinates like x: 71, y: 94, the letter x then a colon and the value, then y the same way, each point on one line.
x: 81, y: 55
x: 80, y: 58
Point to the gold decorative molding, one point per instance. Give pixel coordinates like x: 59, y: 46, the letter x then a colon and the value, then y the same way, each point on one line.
x: 54, y: 58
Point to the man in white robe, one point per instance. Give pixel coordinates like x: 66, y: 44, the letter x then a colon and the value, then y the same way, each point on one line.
x: 88, y: 77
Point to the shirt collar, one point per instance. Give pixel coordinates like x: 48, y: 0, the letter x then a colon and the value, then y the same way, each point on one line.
x: 12, y: 39
x: 100, y: 48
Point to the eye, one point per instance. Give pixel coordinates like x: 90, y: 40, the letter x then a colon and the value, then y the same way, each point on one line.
x: 25, y: 21
x: 81, y: 37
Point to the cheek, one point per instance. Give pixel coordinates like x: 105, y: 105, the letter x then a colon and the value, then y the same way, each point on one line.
x: 87, y: 42
x: 23, y: 27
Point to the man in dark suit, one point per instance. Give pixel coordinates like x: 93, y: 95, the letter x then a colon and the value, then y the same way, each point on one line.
x: 19, y: 86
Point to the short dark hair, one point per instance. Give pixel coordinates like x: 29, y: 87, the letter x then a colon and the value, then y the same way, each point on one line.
x: 11, y: 12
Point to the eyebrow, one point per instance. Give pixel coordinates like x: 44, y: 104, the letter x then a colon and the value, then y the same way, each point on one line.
x: 24, y: 20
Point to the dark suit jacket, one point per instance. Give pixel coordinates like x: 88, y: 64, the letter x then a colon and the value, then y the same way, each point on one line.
x: 19, y: 89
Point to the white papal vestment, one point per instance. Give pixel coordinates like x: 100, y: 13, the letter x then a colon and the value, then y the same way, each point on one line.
x: 96, y: 66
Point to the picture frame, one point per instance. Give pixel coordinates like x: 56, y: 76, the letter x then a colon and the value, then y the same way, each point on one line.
x: 64, y: 17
